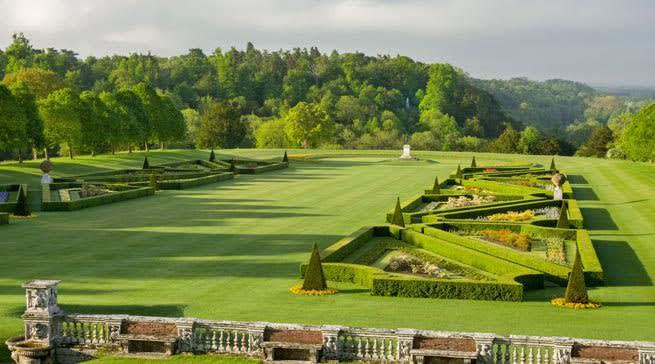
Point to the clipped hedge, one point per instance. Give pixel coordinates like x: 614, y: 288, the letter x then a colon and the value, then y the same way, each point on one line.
x: 4, y: 218
x: 391, y: 285
x: 122, y: 193
x: 593, y: 270
x: 261, y: 167
x: 13, y: 189
x: 181, y: 184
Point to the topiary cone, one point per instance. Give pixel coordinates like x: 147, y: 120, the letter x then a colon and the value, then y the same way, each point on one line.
x: 146, y: 165
x: 458, y: 173
x: 552, y: 164
x: 397, y: 218
x: 473, y: 163
x: 435, y: 188
x: 212, y: 156
x: 576, y: 289
x: 563, y: 221
x: 22, y: 207
x: 314, y: 277
x: 285, y: 158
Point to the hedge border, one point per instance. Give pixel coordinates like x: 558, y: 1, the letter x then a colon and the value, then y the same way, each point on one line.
x: 10, y: 206
x: 4, y: 218
x: 125, y: 192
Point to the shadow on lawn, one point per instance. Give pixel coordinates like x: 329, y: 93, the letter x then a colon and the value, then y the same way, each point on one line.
x: 596, y: 218
x: 585, y: 194
x: 621, y: 265
x: 577, y: 179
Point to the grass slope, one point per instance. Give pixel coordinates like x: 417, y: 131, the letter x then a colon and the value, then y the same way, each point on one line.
x: 231, y: 250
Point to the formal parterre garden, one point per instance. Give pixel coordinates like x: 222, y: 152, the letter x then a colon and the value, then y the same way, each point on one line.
x: 484, y: 249
x: 485, y: 233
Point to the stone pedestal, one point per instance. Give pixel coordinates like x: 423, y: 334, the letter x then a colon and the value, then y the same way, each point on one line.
x: 41, y: 310
x: 406, y: 153
x: 557, y: 193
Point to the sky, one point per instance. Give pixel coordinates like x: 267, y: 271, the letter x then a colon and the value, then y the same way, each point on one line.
x: 600, y: 42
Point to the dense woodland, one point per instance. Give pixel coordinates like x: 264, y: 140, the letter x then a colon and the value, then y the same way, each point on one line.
x: 52, y: 102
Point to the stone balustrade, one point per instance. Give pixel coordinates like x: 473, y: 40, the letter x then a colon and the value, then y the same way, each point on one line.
x: 77, y: 337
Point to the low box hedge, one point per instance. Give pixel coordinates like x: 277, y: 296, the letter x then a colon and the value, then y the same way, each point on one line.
x: 593, y: 271
x: 13, y: 189
x: 181, y: 184
x: 392, y: 285
x: 122, y: 192
x: 261, y: 168
x: 4, y: 218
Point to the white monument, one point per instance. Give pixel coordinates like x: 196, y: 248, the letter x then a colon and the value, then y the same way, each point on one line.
x: 406, y: 153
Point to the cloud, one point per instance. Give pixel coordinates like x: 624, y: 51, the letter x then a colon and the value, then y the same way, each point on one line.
x: 599, y: 41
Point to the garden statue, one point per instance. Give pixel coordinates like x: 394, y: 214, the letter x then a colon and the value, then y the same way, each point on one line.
x: 46, y: 167
x: 558, y: 180
x: 406, y: 153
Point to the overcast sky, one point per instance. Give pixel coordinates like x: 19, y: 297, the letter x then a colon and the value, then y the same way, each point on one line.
x: 602, y: 42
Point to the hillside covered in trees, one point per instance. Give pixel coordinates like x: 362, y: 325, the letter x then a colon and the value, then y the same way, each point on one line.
x: 53, y: 102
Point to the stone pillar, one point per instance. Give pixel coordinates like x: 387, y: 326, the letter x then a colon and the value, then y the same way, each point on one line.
x: 405, y: 345
x: 185, y: 333
x: 331, y: 350
x: 562, y: 353
x: 647, y: 356
x: 41, y: 311
x: 256, y: 338
x: 484, y: 347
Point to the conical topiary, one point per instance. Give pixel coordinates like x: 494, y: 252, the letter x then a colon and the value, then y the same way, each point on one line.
x: 146, y: 165
x: 458, y: 174
x: 576, y: 289
x: 552, y: 164
x: 212, y: 156
x: 232, y: 165
x: 22, y: 207
x: 153, y: 181
x: 563, y: 221
x: 285, y: 158
x: 314, y: 277
x: 473, y: 163
x: 435, y: 187
x: 397, y: 218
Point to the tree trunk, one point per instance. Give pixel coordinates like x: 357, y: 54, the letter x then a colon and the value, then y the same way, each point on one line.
x: 146, y: 145
x: 161, y: 145
x: 93, y: 153
x: 35, y: 154
x: 20, y: 155
x: 129, y: 148
x: 45, y: 151
x: 305, y: 143
x: 70, y: 150
x: 113, y: 150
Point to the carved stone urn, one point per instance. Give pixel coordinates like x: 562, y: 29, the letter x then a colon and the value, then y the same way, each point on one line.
x: 29, y: 351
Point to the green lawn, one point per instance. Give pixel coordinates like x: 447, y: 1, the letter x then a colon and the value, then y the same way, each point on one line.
x: 231, y: 250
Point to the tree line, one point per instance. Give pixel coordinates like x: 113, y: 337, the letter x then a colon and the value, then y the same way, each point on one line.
x: 56, y: 102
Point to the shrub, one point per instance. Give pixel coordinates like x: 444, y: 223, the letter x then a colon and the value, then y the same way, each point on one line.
x: 397, y: 218
x: 22, y: 207
x: 285, y: 159
x: 563, y: 221
x: 146, y: 165
x: 314, y: 277
x: 435, y: 187
x: 473, y: 163
x: 521, y: 241
x: 212, y: 156
x: 576, y: 290
x: 458, y: 173
x: 552, y: 165
x: 512, y: 216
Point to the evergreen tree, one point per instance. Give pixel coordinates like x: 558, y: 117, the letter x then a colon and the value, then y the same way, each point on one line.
x: 458, y: 174
x: 314, y: 277
x: 473, y: 163
x: 552, y: 165
x: 22, y: 207
x: 576, y: 289
x: 563, y: 221
x: 146, y: 165
x: 435, y: 187
x: 397, y: 218
x: 212, y: 156
x: 285, y: 159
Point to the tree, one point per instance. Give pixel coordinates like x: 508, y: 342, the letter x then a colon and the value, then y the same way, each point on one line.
x: 598, y: 143
x: 221, y: 125
x: 578, y: 132
x: 507, y: 142
x: 473, y: 163
x: 95, y: 120
x: 40, y: 82
x: 212, y: 156
x: 576, y: 289
x: 34, y: 137
x: 285, y: 158
x: 552, y: 165
x: 307, y: 125
x: 146, y: 164
x: 136, y: 129
x: 638, y: 137
x: 314, y: 276
x: 19, y: 53
x: 529, y: 140
x: 192, y: 123
x: 271, y: 134
x: 397, y: 218
x: 458, y: 173
x: 13, y: 120
x: 60, y: 112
